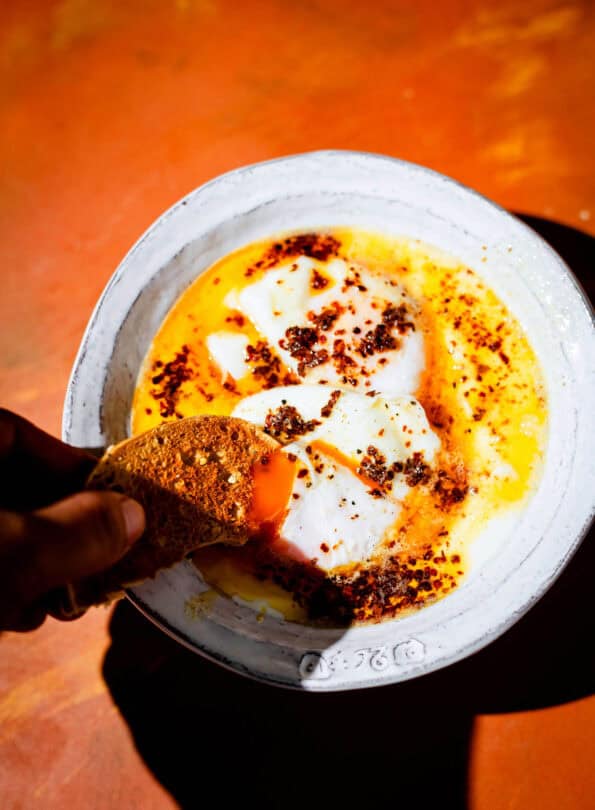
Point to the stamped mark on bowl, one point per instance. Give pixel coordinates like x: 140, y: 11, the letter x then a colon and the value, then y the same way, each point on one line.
x: 317, y: 666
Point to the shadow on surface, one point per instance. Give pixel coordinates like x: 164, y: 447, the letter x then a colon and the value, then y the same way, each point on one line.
x: 206, y: 732
x: 577, y: 248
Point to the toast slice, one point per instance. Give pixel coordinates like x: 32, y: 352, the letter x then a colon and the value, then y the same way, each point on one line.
x: 194, y: 480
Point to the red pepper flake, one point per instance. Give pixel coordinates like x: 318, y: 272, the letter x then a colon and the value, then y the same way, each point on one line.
x: 267, y: 366
x: 314, y: 245
x: 438, y: 416
x: 208, y: 396
x: 231, y: 387
x: 376, y: 340
x: 236, y: 318
x: 325, y: 319
x: 286, y: 423
x: 327, y: 409
x: 169, y: 380
x: 299, y: 344
x: 373, y: 466
x: 300, y: 337
x: 468, y: 299
x: 318, y: 281
x: 342, y: 360
x: 449, y: 491
x: 416, y: 470
x: 398, y: 318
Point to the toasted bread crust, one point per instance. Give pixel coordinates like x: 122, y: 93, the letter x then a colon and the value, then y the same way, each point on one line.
x: 194, y: 480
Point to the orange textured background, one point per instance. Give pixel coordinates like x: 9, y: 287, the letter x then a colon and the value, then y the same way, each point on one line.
x: 110, y: 110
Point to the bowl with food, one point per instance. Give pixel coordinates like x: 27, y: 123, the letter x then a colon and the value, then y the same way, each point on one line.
x: 418, y: 367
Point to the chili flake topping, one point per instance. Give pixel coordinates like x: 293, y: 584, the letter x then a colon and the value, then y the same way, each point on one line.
x: 285, y: 423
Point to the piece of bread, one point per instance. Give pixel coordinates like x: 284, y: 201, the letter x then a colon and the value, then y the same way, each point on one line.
x: 194, y: 480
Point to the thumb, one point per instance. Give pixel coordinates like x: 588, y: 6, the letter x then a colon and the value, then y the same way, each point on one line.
x: 74, y: 538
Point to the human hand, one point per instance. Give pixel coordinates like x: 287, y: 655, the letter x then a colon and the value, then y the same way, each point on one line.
x: 51, y: 533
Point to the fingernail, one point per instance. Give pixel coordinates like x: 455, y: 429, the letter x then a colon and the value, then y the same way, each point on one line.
x: 134, y: 518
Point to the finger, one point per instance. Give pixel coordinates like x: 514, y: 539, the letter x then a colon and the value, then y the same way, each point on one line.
x: 70, y: 540
x: 61, y: 604
x: 36, y: 468
x: 29, y: 619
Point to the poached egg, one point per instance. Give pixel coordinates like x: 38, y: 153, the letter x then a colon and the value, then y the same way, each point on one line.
x: 352, y: 457
x: 349, y: 339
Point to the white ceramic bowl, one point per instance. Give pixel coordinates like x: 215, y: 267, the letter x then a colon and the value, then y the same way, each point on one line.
x: 349, y: 188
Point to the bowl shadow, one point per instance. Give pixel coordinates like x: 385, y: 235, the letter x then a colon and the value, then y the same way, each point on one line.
x: 205, y: 731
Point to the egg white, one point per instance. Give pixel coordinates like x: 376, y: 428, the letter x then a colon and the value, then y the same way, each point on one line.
x: 228, y: 350
x: 284, y: 298
x: 334, y: 520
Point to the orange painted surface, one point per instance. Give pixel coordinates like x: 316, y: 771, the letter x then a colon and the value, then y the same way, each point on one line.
x: 111, y: 111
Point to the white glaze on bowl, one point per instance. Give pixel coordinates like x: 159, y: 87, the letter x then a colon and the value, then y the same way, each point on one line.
x: 370, y: 191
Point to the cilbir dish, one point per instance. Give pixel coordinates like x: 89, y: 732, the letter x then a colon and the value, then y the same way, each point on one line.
x: 408, y: 403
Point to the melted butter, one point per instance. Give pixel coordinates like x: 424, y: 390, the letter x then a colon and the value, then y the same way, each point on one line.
x: 231, y: 576
x: 482, y: 391
x: 200, y: 604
